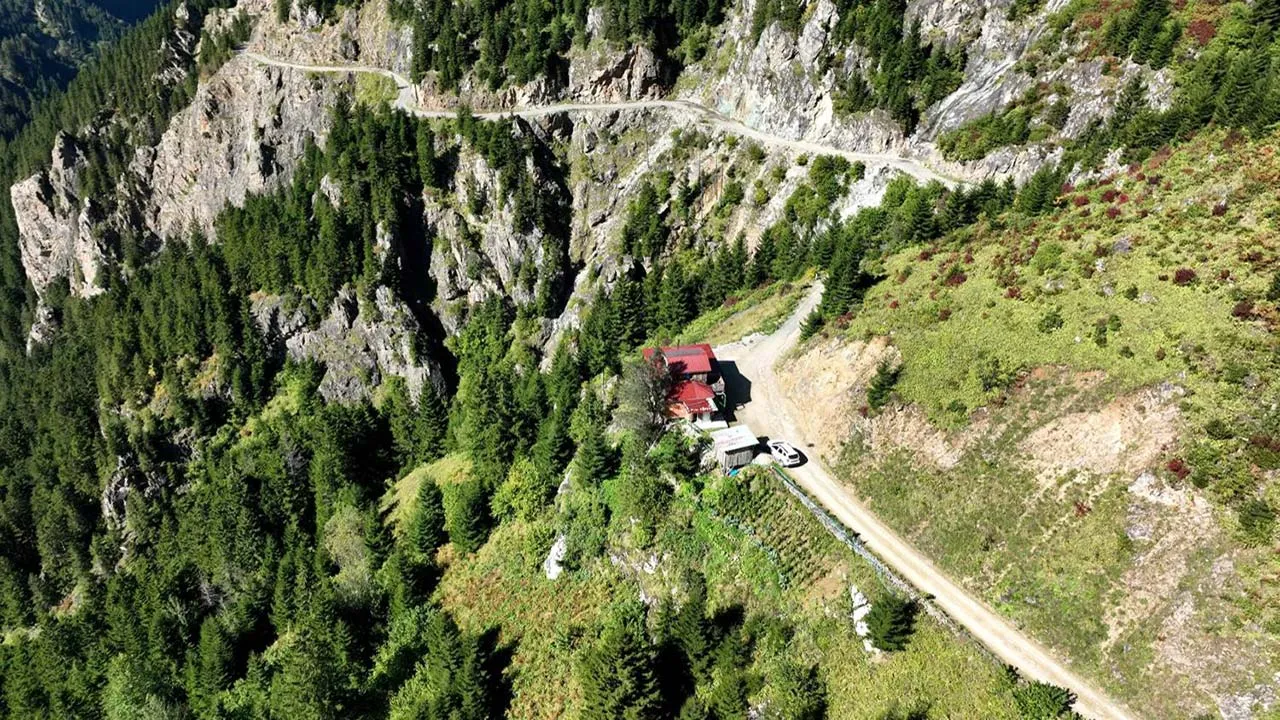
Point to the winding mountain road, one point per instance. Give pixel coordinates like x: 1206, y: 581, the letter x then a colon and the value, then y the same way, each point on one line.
x: 408, y: 101
x: 769, y: 412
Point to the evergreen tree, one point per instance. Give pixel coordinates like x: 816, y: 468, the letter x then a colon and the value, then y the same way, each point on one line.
x: 467, y: 515
x: 1238, y: 98
x: 882, y: 384
x: 428, y: 173
x: 1265, y: 13
x: 210, y: 670
x: 890, y: 622
x: 633, y: 326
x: 693, y: 630
x: 427, y: 528
x: 432, y: 424
x: 675, y: 304
x: 594, y: 460
x: 403, y: 421
x: 761, y: 268
x: 599, y: 337
x: 1042, y: 701
x: 617, y: 672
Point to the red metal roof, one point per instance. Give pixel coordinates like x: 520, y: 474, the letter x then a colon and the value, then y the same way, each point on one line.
x: 686, y: 359
x: 696, y: 397
x: 691, y: 390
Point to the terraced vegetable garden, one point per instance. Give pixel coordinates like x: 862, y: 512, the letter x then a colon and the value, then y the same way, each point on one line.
x: 757, y: 506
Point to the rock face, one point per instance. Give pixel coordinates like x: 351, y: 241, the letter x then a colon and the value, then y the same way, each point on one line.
x: 479, y: 247
x: 608, y: 77
x: 55, y: 226
x: 359, y: 342
x: 775, y: 84
x: 244, y: 132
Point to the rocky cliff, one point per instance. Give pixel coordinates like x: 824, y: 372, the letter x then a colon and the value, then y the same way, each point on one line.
x: 776, y: 85
x: 248, y: 124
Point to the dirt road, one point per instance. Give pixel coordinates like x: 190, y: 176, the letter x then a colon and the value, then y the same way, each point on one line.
x: 769, y: 413
x: 407, y: 100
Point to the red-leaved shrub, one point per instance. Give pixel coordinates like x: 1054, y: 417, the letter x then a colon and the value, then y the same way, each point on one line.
x: 1202, y: 31
x: 1184, y: 276
x: 1178, y: 468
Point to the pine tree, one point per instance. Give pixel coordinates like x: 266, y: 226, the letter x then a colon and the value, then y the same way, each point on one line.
x: 675, y: 304
x: 1237, y: 100
x: 1266, y: 13
x: 593, y: 462
x: 210, y: 674
x: 882, y: 384
x: 598, y: 339
x: 426, y: 152
x: 427, y: 529
x: 467, y: 515
x: 693, y: 630
x: 891, y: 622
x: 432, y: 423
x: 632, y: 324
x: 403, y: 421
x: 617, y: 672
x: 761, y: 269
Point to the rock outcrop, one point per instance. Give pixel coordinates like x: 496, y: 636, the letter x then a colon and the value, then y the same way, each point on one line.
x: 480, y: 245
x: 244, y: 132
x: 57, y: 237
x: 360, y: 342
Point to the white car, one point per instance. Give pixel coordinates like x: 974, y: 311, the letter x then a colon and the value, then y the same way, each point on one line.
x: 783, y: 453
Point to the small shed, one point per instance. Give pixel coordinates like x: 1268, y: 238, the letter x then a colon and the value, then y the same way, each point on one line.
x: 735, y: 447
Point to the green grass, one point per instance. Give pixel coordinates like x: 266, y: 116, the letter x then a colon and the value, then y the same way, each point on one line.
x: 502, y: 587
x: 399, y: 501
x: 759, y: 311
x: 375, y: 90
x: 774, y: 559
x: 1111, y: 256
x: 753, y: 503
x: 947, y: 331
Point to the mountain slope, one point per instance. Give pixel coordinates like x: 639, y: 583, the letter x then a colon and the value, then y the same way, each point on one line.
x: 301, y: 392
x: 42, y: 46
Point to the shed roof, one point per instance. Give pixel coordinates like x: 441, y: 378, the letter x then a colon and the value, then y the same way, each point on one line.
x: 734, y: 438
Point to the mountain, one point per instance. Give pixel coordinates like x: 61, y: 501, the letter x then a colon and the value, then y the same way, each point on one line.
x: 42, y: 45
x: 322, y: 395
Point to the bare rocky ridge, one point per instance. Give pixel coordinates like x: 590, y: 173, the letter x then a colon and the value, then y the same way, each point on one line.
x: 774, y: 85
x: 360, y: 341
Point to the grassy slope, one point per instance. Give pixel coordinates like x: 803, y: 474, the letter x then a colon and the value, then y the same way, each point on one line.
x: 759, y: 311
x: 990, y: 522
x: 762, y: 552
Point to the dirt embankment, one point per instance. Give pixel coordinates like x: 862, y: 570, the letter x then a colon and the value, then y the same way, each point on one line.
x: 829, y: 381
